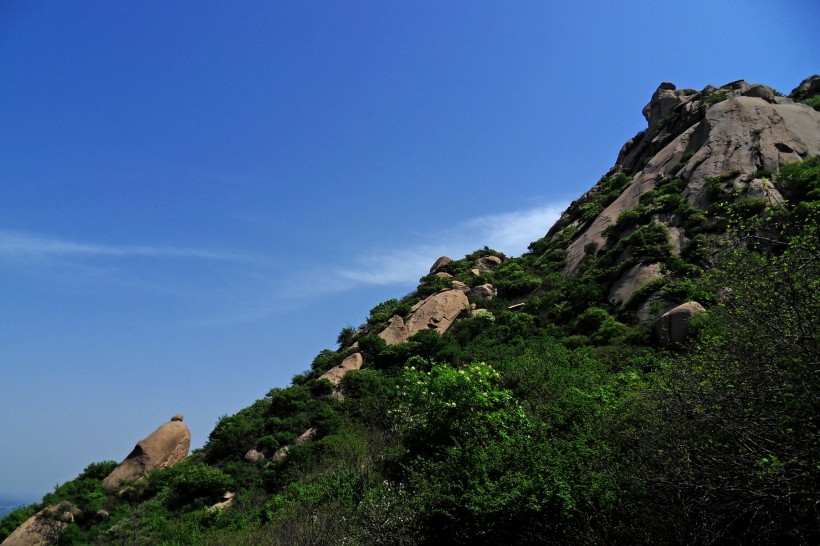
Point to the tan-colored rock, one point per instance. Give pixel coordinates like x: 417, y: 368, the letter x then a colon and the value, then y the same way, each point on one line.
x: 460, y: 286
x: 443, y: 275
x: 166, y: 446
x: 488, y: 263
x: 740, y: 133
x: 396, y: 331
x: 440, y: 263
x: 437, y: 312
x: 336, y: 373
x: 44, y: 527
x: 807, y: 88
x: 282, y: 453
x: 673, y: 326
x: 483, y: 291
x: 253, y: 455
x: 633, y: 280
x: 475, y: 271
x: 225, y: 502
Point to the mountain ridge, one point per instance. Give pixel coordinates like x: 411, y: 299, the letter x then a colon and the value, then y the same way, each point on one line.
x: 540, y: 399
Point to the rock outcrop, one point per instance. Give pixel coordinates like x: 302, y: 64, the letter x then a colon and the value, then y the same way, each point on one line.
x: 483, y: 291
x: 673, y: 326
x: 692, y: 135
x: 440, y: 264
x: 437, y: 312
x: 336, y: 373
x: 44, y: 527
x: 166, y: 446
x: 630, y: 282
x: 488, y: 263
x: 740, y: 132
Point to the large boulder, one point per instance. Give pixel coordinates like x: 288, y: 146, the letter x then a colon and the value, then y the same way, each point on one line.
x: 437, y: 312
x: 483, y: 291
x: 488, y: 263
x: 336, y: 373
x: 673, y: 326
x: 44, y: 527
x: 440, y: 264
x: 166, y: 446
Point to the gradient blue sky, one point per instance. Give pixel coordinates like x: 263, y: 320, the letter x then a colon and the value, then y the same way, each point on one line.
x: 195, y: 197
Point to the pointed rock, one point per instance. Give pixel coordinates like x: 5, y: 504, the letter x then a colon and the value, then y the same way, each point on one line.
x: 166, y: 446
x: 336, y: 373
x: 440, y: 263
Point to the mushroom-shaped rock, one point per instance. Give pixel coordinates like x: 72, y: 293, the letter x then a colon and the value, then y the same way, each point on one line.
x: 166, y: 446
x: 483, y: 291
x: 437, y: 312
x: 440, y: 263
x: 673, y: 326
x: 488, y: 263
x: 44, y: 527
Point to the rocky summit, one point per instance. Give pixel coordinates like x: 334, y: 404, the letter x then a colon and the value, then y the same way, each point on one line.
x: 646, y: 373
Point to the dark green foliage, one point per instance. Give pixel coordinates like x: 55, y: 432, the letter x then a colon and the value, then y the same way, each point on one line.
x: 15, y: 518
x: 814, y: 102
x: 555, y: 422
x: 608, y: 189
x: 715, y: 97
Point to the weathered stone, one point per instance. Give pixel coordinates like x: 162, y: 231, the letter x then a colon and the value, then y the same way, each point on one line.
x: 443, y: 275
x: 488, y: 263
x: 44, y: 527
x: 739, y: 134
x: 632, y: 281
x: 436, y: 312
x: 761, y: 92
x: 336, y: 373
x: 253, y: 455
x: 475, y: 271
x: 440, y: 263
x: 396, y: 331
x: 166, y: 446
x: 483, y: 291
x: 807, y: 88
x: 460, y: 286
x: 673, y: 326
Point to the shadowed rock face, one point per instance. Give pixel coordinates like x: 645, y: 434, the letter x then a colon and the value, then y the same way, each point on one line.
x: 166, y: 446
x: 673, y: 326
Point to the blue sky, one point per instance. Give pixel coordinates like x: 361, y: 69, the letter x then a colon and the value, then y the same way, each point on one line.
x: 195, y: 197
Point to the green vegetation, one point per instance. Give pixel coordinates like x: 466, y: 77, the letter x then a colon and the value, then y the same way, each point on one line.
x: 556, y: 422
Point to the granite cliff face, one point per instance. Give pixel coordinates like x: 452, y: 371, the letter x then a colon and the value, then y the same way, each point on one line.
x: 739, y: 133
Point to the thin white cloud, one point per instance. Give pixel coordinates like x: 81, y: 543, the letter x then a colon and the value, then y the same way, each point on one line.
x: 508, y: 232
x: 16, y: 244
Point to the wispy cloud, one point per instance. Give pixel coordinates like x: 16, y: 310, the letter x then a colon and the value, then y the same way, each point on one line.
x: 15, y: 244
x: 508, y: 232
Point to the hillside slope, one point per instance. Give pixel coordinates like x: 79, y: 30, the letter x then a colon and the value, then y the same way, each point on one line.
x: 646, y: 374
